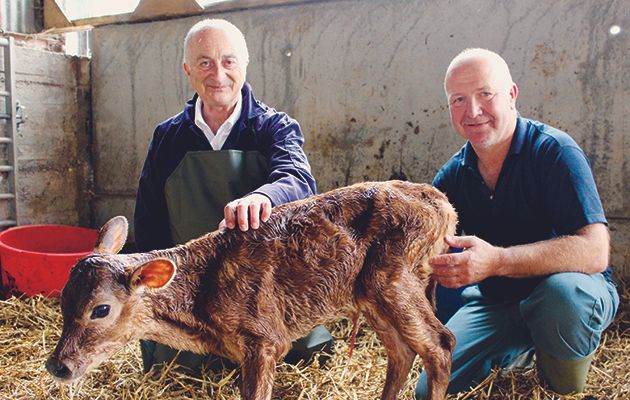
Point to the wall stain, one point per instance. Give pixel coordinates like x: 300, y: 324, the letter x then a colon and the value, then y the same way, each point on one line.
x: 381, y: 150
x: 547, y: 61
x: 398, y: 174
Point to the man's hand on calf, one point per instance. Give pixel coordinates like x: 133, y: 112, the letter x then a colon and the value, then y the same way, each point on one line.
x: 248, y: 211
x: 478, y: 261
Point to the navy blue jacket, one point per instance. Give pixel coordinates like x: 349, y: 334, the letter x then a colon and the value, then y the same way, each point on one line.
x: 274, y: 134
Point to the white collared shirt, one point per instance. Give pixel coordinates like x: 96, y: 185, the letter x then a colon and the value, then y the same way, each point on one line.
x: 217, y: 140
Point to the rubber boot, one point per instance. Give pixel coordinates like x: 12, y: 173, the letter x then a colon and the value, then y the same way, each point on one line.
x: 156, y: 355
x: 563, y: 377
x: 318, y: 340
x: 525, y: 360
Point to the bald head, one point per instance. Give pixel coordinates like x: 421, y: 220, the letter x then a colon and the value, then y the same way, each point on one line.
x: 476, y: 58
x: 215, y: 61
x: 235, y: 35
x: 482, y: 100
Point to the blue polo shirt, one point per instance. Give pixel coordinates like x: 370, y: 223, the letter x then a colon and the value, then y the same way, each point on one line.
x: 545, y: 189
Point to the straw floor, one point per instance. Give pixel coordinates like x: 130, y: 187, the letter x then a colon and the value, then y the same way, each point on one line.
x: 30, y: 328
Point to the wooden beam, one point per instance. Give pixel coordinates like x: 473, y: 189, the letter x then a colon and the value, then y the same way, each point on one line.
x: 104, y: 20
x: 221, y: 6
x: 54, y: 17
x: 160, y: 8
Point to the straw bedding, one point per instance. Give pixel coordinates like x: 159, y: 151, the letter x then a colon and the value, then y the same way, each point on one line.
x: 30, y: 328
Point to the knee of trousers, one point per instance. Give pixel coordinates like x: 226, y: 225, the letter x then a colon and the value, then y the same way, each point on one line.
x: 566, y: 314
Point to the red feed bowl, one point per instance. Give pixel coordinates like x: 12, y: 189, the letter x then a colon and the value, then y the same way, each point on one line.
x: 39, y: 257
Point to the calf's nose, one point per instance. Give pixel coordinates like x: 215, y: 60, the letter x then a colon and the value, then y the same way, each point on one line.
x: 57, y: 369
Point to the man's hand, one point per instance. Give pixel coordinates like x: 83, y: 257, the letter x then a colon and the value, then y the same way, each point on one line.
x: 478, y: 261
x: 248, y: 212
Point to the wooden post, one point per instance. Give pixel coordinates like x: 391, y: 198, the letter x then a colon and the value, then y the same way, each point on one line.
x: 54, y: 17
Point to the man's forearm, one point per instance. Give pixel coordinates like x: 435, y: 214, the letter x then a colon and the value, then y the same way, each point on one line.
x: 587, y: 251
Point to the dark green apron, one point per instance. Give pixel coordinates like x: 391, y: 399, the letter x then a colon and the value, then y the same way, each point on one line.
x: 196, y: 193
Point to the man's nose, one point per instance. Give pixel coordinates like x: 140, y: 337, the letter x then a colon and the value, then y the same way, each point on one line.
x: 473, y: 108
x: 217, y: 72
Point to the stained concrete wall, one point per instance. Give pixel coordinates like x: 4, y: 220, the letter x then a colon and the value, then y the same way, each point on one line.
x: 53, y: 143
x: 364, y: 78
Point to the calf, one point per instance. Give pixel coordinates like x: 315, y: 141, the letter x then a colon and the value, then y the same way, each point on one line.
x: 247, y: 295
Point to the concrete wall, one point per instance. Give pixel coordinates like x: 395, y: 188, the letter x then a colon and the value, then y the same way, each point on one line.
x: 364, y: 78
x: 53, y: 143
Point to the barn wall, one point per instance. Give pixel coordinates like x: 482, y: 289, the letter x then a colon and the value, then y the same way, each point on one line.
x: 364, y: 78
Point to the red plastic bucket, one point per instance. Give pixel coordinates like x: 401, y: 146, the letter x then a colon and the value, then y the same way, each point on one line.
x: 37, y: 259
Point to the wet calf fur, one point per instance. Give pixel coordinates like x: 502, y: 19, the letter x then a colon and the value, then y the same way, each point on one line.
x: 247, y: 295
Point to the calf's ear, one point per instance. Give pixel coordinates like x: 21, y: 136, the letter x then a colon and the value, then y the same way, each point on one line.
x: 154, y: 274
x: 112, y: 236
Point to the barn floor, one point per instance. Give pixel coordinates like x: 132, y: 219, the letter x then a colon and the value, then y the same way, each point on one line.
x: 30, y: 327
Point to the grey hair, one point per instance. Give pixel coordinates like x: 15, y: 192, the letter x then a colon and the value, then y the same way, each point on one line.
x: 228, y: 27
x: 477, y: 53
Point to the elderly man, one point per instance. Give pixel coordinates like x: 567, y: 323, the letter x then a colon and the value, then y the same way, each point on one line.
x: 535, y: 250
x: 226, y: 160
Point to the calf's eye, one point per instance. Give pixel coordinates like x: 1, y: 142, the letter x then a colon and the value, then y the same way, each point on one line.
x: 100, y: 311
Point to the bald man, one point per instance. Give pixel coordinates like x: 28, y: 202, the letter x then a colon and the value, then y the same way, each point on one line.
x: 534, y: 237
x: 224, y: 161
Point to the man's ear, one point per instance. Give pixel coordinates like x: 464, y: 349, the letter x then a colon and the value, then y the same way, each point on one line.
x: 154, y: 274
x: 112, y: 236
x: 513, y: 95
x: 187, y: 69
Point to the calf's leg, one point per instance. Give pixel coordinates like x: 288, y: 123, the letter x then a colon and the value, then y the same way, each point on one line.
x: 436, y: 356
x: 401, y: 298
x: 258, y: 371
x: 399, y: 355
x: 413, y: 316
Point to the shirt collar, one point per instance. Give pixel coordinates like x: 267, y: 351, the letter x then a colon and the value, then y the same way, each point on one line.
x: 228, y: 124
x: 236, y: 114
x: 518, y: 141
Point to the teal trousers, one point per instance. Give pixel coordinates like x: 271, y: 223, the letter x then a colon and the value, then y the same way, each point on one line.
x: 564, y: 317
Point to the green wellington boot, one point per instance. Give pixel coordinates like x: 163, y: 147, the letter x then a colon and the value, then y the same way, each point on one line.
x: 561, y: 376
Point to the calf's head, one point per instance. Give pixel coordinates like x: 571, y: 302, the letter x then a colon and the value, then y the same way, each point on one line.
x: 102, y: 303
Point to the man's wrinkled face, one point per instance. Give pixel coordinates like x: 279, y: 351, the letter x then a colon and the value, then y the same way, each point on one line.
x: 215, y: 67
x: 481, y: 102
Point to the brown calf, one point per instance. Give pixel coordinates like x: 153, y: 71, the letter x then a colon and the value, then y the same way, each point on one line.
x: 247, y: 295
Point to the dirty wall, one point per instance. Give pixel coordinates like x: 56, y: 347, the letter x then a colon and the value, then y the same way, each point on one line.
x: 364, y: 78
x: 53, y: 144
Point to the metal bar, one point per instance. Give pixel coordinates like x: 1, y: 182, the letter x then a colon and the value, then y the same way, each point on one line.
x: 4, y: 42
x: 5, y: 116
x: 6, y: 196
x: 5, y: 139
x: 4, y: 93
x: 11, y: 103
x: 6, y: 168
x: 7, y: 222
